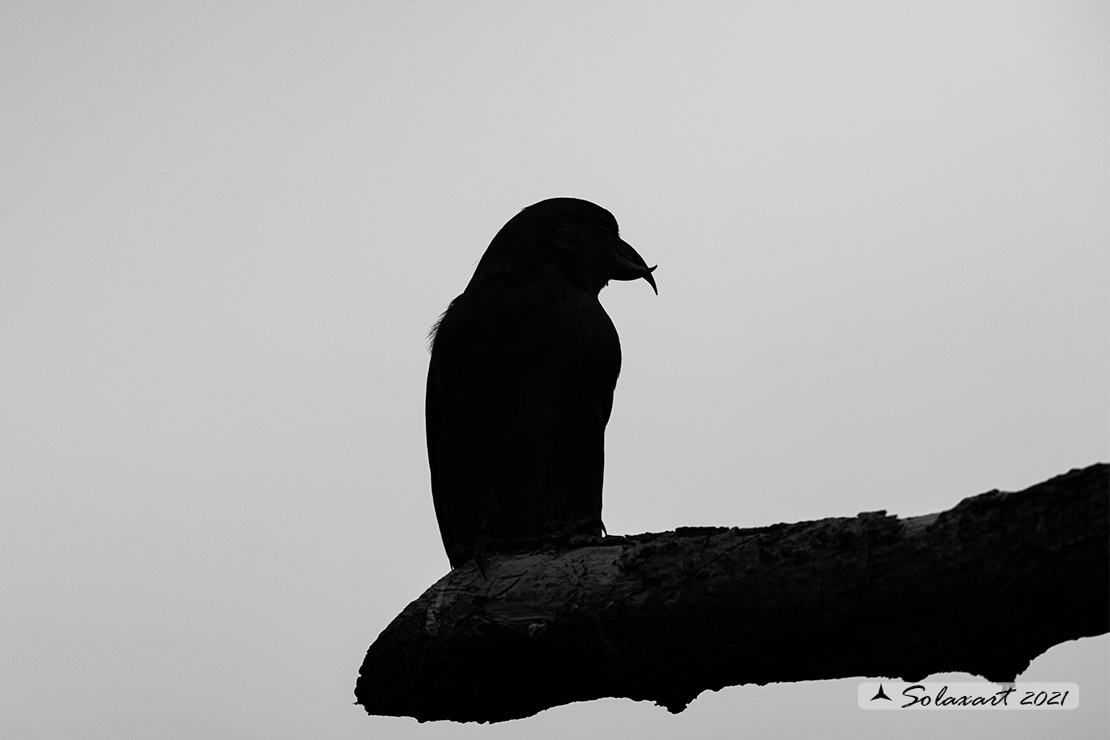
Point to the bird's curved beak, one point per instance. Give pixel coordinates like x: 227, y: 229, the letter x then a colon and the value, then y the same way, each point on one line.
x: 631, y: 266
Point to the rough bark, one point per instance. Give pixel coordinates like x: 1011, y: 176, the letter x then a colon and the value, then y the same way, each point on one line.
x: 982, y: 588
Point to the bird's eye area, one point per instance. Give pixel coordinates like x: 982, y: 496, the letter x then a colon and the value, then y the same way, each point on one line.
x: 607, y: 225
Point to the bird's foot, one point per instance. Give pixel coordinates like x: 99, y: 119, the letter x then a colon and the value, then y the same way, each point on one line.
x: 564, y: 535
x: 483, y: 545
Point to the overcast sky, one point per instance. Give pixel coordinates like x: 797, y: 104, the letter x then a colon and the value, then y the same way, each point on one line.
x: 883, y: 248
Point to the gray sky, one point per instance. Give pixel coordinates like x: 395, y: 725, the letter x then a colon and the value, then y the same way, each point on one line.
x: 882, y: 239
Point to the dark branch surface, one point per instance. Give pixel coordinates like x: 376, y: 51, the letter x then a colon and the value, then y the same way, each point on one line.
x: 982, y: 588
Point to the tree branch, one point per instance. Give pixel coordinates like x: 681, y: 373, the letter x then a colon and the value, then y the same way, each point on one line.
x: 982, y: 588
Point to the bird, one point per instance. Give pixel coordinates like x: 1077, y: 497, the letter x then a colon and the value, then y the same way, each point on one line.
x: 523, y: 367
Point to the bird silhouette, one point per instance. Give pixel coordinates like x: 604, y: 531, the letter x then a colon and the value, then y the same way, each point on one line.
x: 521, y: 379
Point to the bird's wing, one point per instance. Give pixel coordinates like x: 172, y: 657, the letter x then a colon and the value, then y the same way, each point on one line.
x: 520, y: 388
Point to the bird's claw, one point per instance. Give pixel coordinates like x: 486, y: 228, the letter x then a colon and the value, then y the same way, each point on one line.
x: 477, y: 552
x: 561, y: 535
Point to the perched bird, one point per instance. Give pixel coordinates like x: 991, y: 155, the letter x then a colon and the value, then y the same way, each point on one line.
x: 521, y: 379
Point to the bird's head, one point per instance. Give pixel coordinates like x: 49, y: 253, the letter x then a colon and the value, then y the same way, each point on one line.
x: 565, y: 238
